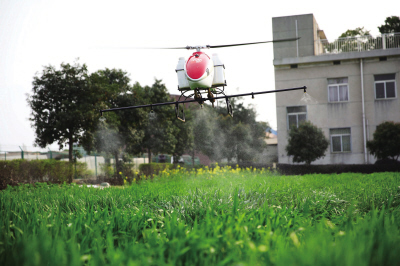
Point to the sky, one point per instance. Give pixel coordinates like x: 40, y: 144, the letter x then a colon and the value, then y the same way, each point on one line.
x: 37, y: 33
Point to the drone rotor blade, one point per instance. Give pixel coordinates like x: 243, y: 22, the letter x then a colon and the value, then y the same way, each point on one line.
x: 249, y: 43
x: 201, y: 46
x: 147, y: 48
x: 169, y: 48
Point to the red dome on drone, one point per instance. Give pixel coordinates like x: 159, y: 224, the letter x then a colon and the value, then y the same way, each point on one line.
x: 196, y: 65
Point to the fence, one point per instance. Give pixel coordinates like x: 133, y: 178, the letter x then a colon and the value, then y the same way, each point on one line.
x: 358, y: 44
x: 4, y: 155
x: 93, y: 162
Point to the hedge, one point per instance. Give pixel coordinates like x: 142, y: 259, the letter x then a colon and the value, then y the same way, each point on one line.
x: 23, y: 171
x: 302, y: 169
x: 243, y: 165
x: 290, y: 169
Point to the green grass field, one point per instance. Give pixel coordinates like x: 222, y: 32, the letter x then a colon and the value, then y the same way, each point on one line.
x: 220, y: 217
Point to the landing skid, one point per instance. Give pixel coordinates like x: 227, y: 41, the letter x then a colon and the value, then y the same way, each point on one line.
x: 211, y: 92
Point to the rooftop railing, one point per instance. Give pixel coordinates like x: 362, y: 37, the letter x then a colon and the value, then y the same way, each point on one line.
x: 358, y: 44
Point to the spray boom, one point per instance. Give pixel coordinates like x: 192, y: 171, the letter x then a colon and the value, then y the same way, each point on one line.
x: 201, y: 101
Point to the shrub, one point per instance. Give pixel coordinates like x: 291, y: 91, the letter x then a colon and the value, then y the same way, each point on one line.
x: 23, y: 171
x: 306, y: 143
x: 386, y: 142
x: 291, y: 169
x: 107, y: 170
x: 150, y: 169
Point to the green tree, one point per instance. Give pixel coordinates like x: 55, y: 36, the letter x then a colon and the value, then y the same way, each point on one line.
x: 386, y: 142
x: 63, y: 106
x: 392, y: 24
x: 183, y: 133
x: 306, y: 143
x: 244, y: 136
x: 220, y: 136
x: 121, y: 131
x: 159, y: 128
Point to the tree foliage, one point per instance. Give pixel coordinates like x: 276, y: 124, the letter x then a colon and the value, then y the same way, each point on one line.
x: 63, y: 106
x: 159, y: 128
x: 184, y: 135
x: 239, y: 138
x: 140, y: 130
x: 392, y: 24
x: 121, y: 130
x: 306, y: 143
x: 360, y: 31
x: 386, y: 142
x: 350, y: 41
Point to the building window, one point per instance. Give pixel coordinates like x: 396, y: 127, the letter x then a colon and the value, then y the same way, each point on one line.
x: 338, y: 90
x: 385, y: 86
x: 296, y: 115
x: 340, y: 139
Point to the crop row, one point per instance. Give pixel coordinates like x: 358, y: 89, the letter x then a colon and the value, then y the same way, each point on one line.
x: 223, y: 217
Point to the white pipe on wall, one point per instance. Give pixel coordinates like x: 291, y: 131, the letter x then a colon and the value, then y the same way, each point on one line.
x: 297, y: 41
x: 363, y: 111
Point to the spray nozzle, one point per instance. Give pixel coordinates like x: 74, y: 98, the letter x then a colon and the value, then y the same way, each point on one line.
x: 152, y: 114
x: 102, y: 118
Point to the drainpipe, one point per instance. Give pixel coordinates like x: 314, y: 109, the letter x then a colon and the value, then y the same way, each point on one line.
x: 363, y: 111
x: 297, y: 41
x: 367, y: 138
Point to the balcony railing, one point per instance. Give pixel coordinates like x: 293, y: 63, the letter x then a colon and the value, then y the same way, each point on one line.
x: 358, y: 44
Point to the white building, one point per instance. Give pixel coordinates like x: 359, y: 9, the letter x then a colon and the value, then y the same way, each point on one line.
x: 352, y: 86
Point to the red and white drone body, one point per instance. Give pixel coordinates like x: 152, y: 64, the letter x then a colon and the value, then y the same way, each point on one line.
x: 200, y: 72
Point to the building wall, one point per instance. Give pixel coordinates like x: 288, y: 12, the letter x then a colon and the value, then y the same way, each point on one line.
x: 285, y: 28
x: 314, y: 72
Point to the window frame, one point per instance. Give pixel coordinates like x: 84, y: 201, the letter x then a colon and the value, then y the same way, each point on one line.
x: 384, y: 83
x: 296, y: 114
x: 341, y: 140
x: 337, y: 85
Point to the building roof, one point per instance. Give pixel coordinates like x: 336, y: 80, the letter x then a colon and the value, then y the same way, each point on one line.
x: 271, y: 139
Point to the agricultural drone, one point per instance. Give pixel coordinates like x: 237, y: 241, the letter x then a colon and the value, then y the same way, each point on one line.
x: 203, y: 74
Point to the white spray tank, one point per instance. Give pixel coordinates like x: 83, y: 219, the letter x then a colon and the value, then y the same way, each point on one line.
x: 183, y: 83
x: 219, y: 72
